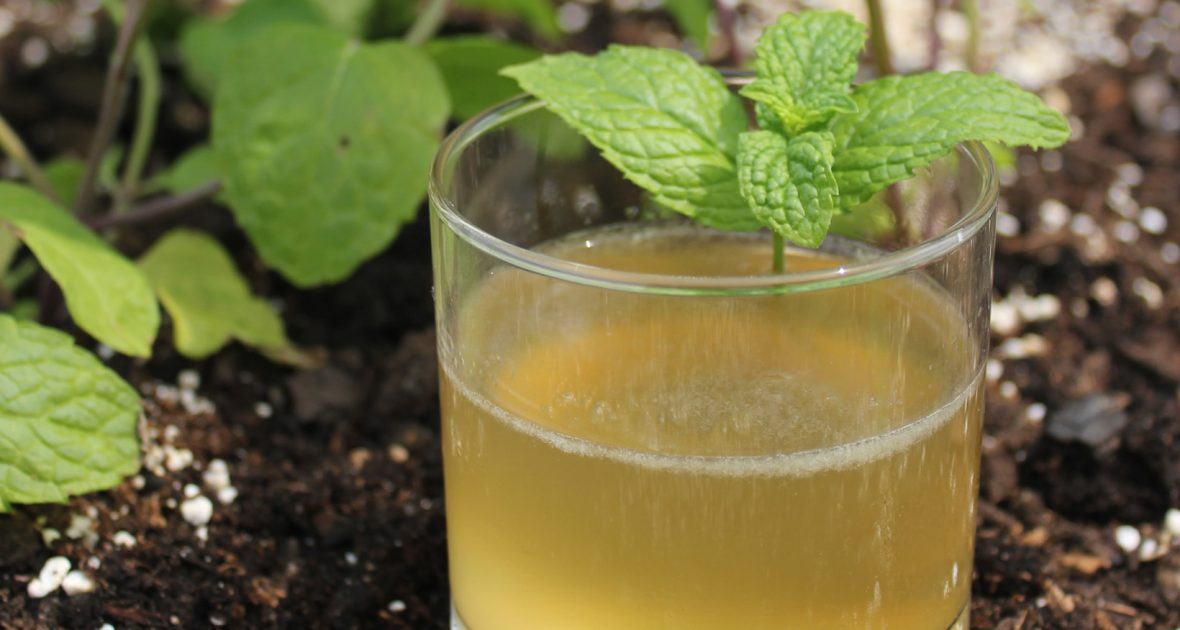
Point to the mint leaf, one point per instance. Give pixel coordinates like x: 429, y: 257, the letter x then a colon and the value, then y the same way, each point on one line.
x: 804, y: 66
x: 67, y: 423
x: 669, y: 124
x: 905, y: 122
x: 692, y: 16
x: 538, y: 14
x: 206, y: 44
x: 194, y: 168
x: 470, y: 66
x: 106, y: 294
x: 330, y: 142
x: 789, y: 183
x: 65, y: 177
x: 209, y: 302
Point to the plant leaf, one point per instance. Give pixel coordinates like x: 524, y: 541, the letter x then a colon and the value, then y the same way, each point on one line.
x: 194, y: 168
x: 789, y: 183
x: 669, y: 124
x: 106, y: 294
x: 208, y: 299
x: 65, y: 177
x: 905, y: 122
x: 205, y: 44
x: 330, y: 142
x: 805, y: 64
x: 347, y: 16
x: 470, y: 66
x: 538, y: 14
x: 67, y: 423
x: 692, y: 16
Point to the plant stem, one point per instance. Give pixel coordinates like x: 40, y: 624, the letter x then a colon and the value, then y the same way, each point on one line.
x: 157, y: 208
x: 879, y: 39
x: 971, y: 11
x: 935, y: 38
x: 146, y: 113
x: 114, y: 91
x: 727, y: 25
x: 429, y: 21
x: 779, y: 264
x: 11, y: 143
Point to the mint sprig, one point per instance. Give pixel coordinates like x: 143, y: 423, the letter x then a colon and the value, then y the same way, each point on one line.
x: 677, y: 139
x: 805, y: 65
x: 824, y: 147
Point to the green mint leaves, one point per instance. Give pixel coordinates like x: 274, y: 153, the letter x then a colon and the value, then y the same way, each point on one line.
x: 68, y: 422
x: 905, y: 122
x: 668, y: 123
x: 789, y: 183
x: 676, y: 130
x: 805, y: 65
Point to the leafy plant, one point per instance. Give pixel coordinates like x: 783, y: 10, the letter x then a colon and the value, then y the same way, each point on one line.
x: 320, y: 147
x: 823, y: 146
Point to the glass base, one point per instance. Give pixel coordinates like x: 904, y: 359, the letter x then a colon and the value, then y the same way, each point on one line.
x: 456, y: 622
x: 962, y: 623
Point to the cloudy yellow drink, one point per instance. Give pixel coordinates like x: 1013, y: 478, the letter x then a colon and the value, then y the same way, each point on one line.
x: 616, y: 460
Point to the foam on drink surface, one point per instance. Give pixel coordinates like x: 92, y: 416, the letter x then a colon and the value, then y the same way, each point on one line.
x: 788, y: 464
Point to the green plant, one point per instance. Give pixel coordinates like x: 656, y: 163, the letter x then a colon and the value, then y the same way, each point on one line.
x: 823, y: 147
x: 320, y: 146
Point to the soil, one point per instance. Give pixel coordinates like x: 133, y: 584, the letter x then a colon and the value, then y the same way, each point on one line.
x: 339, y: 518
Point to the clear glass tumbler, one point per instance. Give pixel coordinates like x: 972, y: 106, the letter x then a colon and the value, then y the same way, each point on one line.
x: 645, y: 428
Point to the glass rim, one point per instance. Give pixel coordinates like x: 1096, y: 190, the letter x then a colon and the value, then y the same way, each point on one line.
x: 854, y: 272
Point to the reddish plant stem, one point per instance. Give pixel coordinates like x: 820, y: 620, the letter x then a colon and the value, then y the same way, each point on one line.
x: 156, y: 209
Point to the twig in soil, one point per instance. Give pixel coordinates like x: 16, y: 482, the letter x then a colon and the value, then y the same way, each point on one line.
x: 146, y: 113
x: 879, y: 39
x: 114, y: 91
x: 428, y: 22
x: 156, y: 208
x: 11, y: 143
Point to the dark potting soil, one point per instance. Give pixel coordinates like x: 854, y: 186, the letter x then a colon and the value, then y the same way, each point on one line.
x: 339, y: 519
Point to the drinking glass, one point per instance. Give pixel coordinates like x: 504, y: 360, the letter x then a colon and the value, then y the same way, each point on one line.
x: 643, y: 427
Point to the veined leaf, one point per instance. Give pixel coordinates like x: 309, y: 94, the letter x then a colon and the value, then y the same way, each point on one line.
x: 208, y: 299
x: 327, y: 143
x: 805, y: 64
x: 905, y: 122
x: 676, y: 138
x: 196, y: 167
x: 789, y: 183
x: 67, y: 423
x: 206, y: 44
x: 106, y: 294
x: 470, y: 66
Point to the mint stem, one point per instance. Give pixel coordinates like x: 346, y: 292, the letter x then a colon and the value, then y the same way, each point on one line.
x: 971, y: 11
x: 879, y: 39
x: 11, y: 143
x: 779, y: 264
x: 155, y: 209
x: 428, y: 22
x: 145, y: 115
x: 113, y: 91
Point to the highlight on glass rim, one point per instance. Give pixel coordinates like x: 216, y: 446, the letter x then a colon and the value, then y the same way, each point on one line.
x: 589, y: 314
